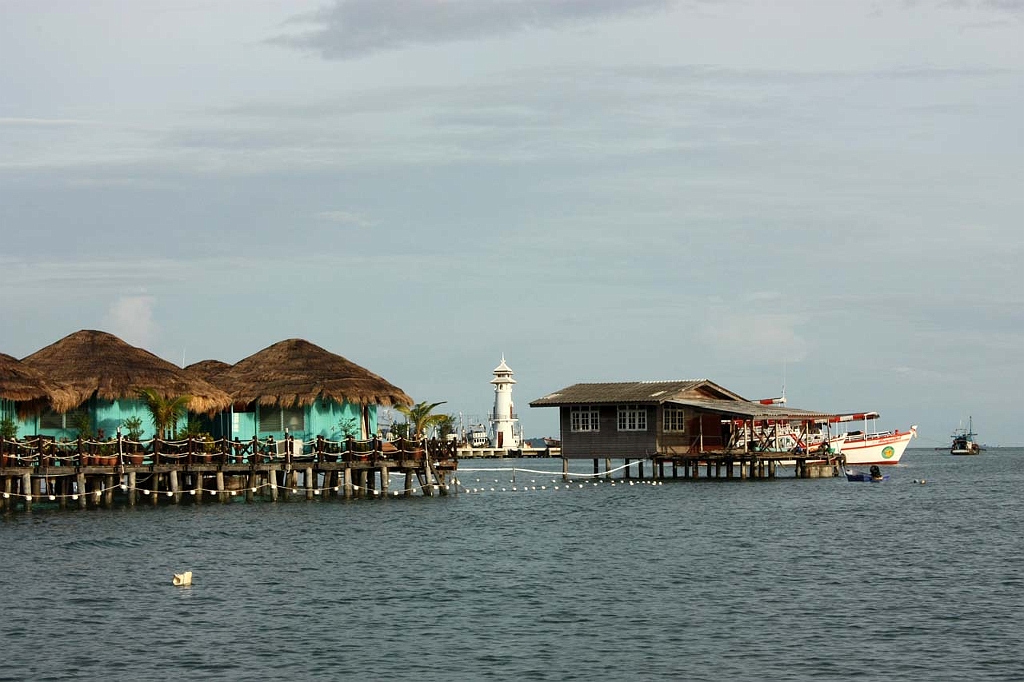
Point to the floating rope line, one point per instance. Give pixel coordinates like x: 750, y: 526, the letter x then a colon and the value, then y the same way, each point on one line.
x: 553, y: 473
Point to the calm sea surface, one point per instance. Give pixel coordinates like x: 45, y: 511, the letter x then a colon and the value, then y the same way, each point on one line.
x: 711, y: 580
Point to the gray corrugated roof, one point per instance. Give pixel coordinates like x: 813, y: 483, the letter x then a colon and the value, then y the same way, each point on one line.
x: 620, y: 392
x: 747, y: 409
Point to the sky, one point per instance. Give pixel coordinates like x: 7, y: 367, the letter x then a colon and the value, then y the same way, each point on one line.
x: 824, y: 197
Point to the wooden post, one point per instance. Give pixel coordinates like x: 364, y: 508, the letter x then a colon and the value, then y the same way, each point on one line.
x: 310, y: 483
x: 80, y: 483
x: 272, y: 479
x: 408, y: 482
x: 429, y: 473
x: 60, y: 486
x: 26, y: 490
x: 221, y: 495
x: 173, y: 482
x: 608, y: 468
x: 385, y: 479
x: 565, y: 469
x: 347, y: 485
x: 625, y: 471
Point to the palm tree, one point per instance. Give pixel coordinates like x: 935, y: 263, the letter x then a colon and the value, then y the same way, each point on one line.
x: 165, y: 411
x: 419, y: 417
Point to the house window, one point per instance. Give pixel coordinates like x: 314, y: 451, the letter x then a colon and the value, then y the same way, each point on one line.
x: 674, y: 419
x: 584, y: 419
x: 277, y: 419
x: 61, y: 420
x: 632, y: 418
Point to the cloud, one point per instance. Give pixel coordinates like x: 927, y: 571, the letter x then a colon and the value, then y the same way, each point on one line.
x: 754, y: 335
x: 344, y: 218
x: 355, y: 28
x: 131, y: 319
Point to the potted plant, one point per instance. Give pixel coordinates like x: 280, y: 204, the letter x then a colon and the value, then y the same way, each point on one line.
x: 8, y: 432
x: 81, y: 423
x: 132, y: 426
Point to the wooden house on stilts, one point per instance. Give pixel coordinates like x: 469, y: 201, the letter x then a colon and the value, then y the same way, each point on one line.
x: 687, y: 424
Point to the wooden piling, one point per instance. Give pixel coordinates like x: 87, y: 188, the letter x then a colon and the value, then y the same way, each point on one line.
x: 26, y: 490
x: 80, y: 484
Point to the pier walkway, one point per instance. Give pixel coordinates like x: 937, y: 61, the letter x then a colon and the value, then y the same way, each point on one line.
x: 88, y: 473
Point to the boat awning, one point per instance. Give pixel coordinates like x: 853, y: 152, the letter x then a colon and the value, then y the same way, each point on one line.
x: 746, y: 410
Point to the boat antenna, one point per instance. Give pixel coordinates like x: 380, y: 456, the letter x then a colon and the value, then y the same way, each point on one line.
x: 783, y: 401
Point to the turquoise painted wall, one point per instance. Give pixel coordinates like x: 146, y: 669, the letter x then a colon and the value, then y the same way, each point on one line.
x: 106, y: 415
x: 322, y: 418
x: 8, y: 410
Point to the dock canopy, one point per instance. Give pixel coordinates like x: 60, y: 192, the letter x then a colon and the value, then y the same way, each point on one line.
x: 295, y: 373
x: 28, y: 388
x: 93, y: 363
x: 755, y: 411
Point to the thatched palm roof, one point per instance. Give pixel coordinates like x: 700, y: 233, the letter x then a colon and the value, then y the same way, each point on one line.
x: 208, y: 370
x: 27, y: 387
x: 296, y: 372
x: 96, y: 363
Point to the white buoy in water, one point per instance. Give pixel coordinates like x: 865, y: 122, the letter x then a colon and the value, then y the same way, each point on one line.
x: 182, y: 579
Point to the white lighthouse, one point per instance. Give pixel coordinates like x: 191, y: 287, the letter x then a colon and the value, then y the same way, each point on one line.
x: 506, y: 433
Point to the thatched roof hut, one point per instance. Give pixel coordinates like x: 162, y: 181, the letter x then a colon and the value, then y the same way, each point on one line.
x: 296, y: 372
x: 27, y: 387
x: 89, y: 363
x: 208, y: 370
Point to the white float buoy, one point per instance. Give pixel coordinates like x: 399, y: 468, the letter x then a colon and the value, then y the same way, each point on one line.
x: 182, y: 579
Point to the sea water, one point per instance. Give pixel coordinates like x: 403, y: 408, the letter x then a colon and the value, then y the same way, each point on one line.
x: 521, y: 576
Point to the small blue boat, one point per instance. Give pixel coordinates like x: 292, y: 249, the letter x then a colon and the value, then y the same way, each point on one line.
x: 874, y: 476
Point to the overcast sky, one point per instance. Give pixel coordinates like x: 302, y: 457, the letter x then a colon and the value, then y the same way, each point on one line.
x: 826, y: 194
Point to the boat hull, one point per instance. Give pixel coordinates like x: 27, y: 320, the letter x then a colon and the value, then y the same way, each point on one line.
x: 876, y: 448
x: 866, y: 478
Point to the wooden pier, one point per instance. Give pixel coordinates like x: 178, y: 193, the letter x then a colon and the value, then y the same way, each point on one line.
x: 89, y: 474
x: 724, y: 466
x: 467, y: 452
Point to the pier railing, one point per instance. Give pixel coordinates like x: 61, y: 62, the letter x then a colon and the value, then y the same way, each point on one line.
x: 45, y: 452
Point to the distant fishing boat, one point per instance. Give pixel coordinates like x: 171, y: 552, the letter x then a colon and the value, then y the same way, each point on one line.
x: 963, y: 440
x: 477, y: 436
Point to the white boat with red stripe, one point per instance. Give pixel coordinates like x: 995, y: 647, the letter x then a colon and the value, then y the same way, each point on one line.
x: 873, y: 447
